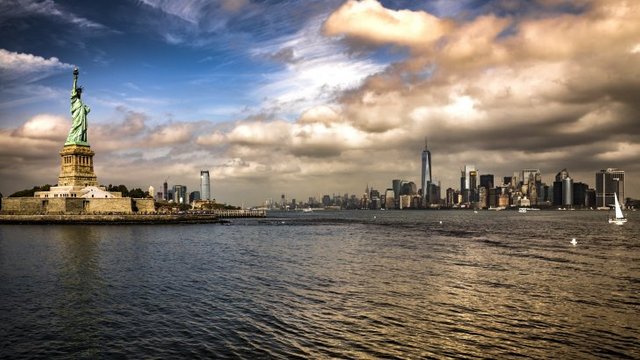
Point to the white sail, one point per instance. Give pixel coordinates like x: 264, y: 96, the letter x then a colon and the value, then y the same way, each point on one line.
x: 618, y: 210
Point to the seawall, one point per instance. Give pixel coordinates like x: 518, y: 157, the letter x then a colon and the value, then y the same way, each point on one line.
x: 112, y: 219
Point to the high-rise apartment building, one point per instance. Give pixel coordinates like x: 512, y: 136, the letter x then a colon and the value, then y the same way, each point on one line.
x: 608, y: 182
x: 205, y: 185
x: 180, y: 194
x: 426, y: 175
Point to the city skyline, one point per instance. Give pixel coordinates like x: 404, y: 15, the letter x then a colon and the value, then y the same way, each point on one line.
x: 326, y: 95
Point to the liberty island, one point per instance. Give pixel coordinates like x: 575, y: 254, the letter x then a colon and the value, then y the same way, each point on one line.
x: 78, y: 197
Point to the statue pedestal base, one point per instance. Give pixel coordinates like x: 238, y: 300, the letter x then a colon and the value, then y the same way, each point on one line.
x: 77, y: 166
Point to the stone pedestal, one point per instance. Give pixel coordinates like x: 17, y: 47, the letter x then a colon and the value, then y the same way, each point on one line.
x: 77, y: 166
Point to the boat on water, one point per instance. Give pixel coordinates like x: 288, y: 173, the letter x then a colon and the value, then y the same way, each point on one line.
x: 307, y: 210
x: 619, y: 218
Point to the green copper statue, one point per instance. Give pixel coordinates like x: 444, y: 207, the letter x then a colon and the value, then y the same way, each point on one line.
x: 79, y: 111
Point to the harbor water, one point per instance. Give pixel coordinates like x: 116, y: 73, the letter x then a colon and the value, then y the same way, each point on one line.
x: 344, y: 284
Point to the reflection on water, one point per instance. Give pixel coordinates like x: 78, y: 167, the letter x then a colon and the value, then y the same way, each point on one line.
x: 80, y: 285
x: 329, y: 285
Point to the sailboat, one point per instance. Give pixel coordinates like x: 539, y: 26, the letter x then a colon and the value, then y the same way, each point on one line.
x: 619, y: 219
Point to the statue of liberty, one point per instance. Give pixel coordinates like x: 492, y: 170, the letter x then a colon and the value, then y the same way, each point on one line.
x: 78, y: 133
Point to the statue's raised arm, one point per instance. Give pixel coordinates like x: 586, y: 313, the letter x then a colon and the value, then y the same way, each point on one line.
x: 78, y: 132
x: 75, y: 82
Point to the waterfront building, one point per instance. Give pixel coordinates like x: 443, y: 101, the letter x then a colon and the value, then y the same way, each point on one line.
x: 450, y: 197
x: 591, y: 198
x: 580, y: 195
x: 482, y: 196
x: 492, y: 198
x: 531, y: 180
x: 426, y: 175
x: 558, y: 198
x: 434, y: 194
x: 389, y: 200
x: 608, y: 182
x: 205, y: 185
x: 503, y: 200
x: 405, y: 201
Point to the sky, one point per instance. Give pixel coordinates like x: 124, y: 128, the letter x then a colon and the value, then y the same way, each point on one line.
x: 306, y: 98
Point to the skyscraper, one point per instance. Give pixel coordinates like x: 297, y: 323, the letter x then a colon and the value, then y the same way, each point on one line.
x: 180, y: 194
x: 473, y: 186
x: 396, y: 185
x: 465, y: 185
x: 531, y: 180
x: 609, y: 181
x: 467, y: 177
x: 426, y: 174
x: 567, y: 191
x: 558, y: 197
x: 165, y: 190
x: 205, y: 187
x: 486, y: 181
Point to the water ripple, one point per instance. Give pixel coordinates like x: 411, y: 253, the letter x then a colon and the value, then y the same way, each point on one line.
x: 333, y: 285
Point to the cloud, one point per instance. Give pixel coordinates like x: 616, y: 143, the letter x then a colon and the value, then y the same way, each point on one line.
x: 205, y: 15
x: 170, y: 134
x: 189, y: 11
x: 369, y: 21
x: 315, y: 70
x: 44, y: 126
x: 216, y: 138
x: 26, y: 68
x: 48, y: 8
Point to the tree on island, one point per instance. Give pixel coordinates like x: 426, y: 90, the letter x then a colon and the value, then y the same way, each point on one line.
x: 216, y: 206
x: 30, y: 192
x: 133, y: 193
